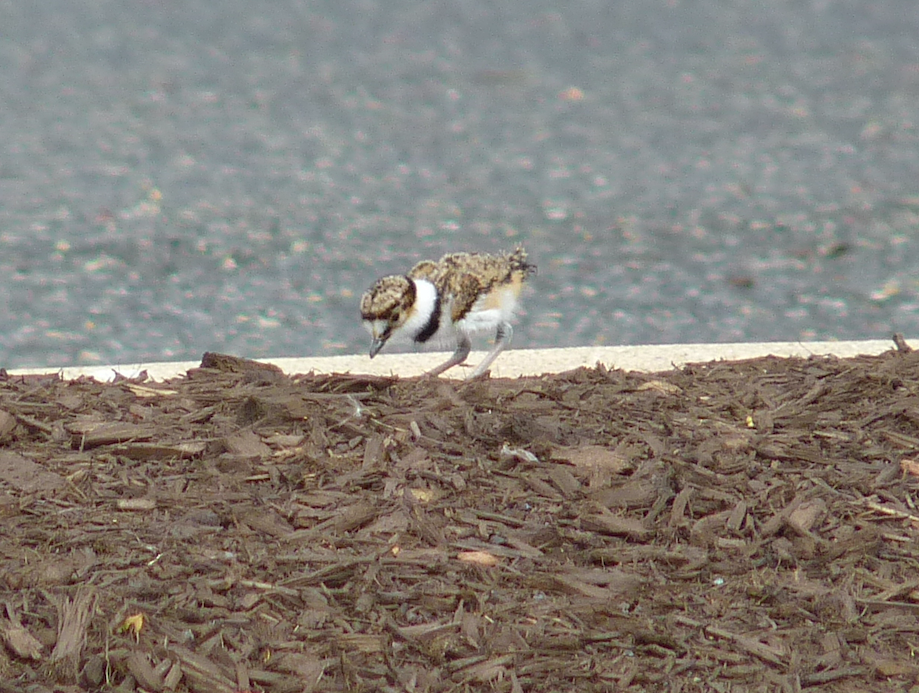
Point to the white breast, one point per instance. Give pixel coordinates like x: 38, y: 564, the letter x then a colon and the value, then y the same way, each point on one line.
x: 425, y: 303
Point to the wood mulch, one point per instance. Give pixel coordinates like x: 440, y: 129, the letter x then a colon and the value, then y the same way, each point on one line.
x: 725, y: 526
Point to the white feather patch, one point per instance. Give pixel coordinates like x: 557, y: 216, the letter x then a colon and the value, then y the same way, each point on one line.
x: 425, y: 303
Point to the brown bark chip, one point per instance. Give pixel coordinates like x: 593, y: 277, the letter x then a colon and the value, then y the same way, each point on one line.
x: 738, y: 526
x: 73, y: 619
x: 27, y: 476
x: 17, y: 638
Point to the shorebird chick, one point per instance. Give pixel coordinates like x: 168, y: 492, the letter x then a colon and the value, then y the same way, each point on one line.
x: 448, y: 301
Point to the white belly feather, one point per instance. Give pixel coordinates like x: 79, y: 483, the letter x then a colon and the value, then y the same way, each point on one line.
x: 490, y: 311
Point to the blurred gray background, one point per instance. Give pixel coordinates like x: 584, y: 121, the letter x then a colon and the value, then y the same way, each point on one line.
x: 185, y: 176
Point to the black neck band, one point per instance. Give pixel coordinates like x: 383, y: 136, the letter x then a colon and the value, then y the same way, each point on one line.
x: 430, y: 329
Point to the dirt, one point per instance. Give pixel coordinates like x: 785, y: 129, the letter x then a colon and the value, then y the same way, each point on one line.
x: 725, y: 526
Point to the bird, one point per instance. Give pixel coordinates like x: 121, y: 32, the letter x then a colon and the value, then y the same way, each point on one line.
x: 446, y: 302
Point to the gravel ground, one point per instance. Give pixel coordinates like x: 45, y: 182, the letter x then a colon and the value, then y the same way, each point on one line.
x: 189, y: 176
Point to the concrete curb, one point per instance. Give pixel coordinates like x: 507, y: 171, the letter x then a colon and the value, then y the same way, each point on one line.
x: 514, y: 363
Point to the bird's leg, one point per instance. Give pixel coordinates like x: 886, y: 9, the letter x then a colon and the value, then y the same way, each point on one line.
x: 502, y: 340
x: 463, y: 346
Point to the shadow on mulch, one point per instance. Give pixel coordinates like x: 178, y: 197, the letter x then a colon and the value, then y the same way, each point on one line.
x: 726, y: 526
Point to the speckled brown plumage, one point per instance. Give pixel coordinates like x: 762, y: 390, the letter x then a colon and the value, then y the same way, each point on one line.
x: 388, y: 298
x: 466, y: 277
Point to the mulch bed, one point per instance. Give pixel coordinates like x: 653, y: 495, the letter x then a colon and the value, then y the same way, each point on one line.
x: 725, y: 526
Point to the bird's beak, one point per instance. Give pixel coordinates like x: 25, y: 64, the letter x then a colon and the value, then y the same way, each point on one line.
x: 376, y: 345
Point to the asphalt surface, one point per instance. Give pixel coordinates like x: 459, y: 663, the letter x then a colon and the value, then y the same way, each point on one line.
x: 177, y: 177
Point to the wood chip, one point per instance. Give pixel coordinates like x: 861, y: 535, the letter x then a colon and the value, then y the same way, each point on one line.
x: 482, y: 558
x: 615, y: 461
x: 616, y: 525
x: 136, y: 504
x: 27, y: 476
x: 92, y: 434
x: 20, y: 641
x: 73, y: 618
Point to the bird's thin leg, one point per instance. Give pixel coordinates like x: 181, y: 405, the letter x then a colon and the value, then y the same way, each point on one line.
x: 502, y: 340
x: 463, y: 347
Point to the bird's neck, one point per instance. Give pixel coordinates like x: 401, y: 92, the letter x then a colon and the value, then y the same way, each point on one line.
x: 425, y: 318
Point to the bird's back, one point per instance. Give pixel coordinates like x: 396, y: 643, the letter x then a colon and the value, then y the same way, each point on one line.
x: 476, y: 281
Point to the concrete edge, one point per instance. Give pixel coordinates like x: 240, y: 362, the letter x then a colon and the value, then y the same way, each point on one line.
x: 513, y: 363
